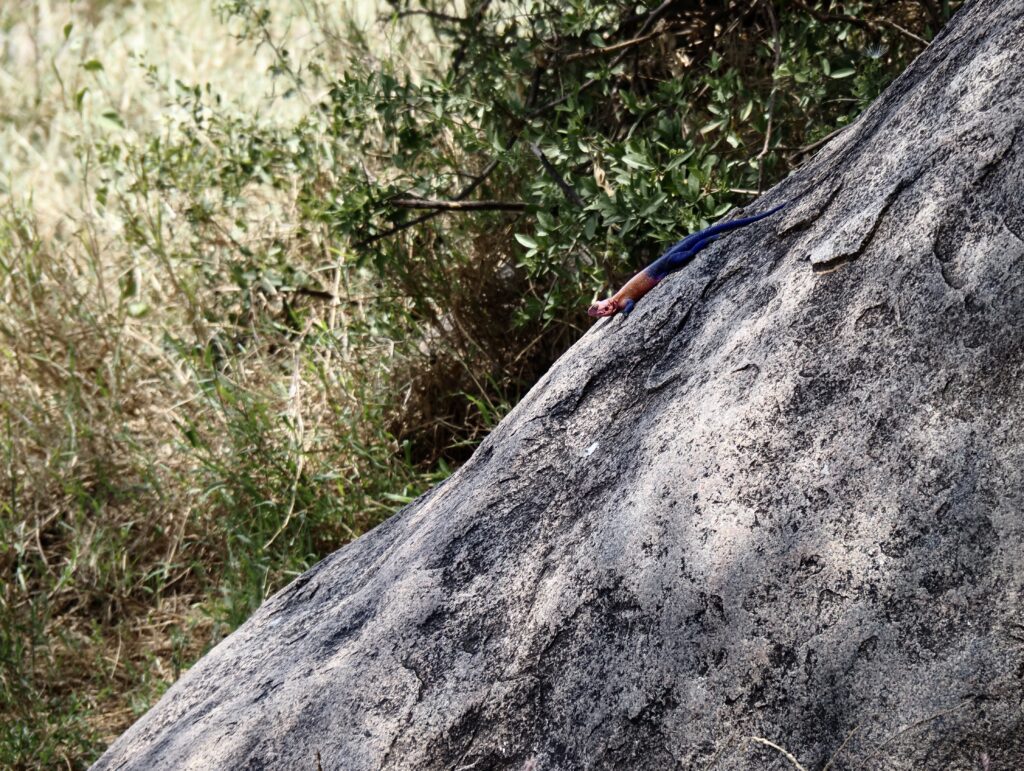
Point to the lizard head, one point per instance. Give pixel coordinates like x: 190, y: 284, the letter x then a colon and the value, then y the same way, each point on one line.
x: 601, y: 308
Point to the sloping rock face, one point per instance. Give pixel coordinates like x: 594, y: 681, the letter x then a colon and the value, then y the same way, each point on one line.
x: 782, y: 500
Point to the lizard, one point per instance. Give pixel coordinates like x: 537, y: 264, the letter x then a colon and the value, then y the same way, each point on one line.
x: 672, y: 260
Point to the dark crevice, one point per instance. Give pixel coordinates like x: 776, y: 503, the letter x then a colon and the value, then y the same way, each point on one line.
x: 946, y: 273
x: 834, y: 264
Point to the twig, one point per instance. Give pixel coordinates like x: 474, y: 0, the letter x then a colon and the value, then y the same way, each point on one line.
x: 612, y: 48
x: 823, y: 141
x: 396, y: 229
x: 774, y: 746
x: 868, y: 24
x: 281, y: 55
x: 905, y: 31
x: 652, y: 17
x: 826, y: 17
x: 464, y: 193
x: 317, y: 294
x: 839, y: 749
x: 426, y: 203
x: 771, y: 97
x: 565, y: 187
x: 435, y: 15
x: 296, y: 408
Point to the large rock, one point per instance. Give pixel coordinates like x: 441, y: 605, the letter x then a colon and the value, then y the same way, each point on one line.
x: 782, y: 500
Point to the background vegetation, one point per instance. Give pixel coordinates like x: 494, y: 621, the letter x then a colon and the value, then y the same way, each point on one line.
x: 270, y: 269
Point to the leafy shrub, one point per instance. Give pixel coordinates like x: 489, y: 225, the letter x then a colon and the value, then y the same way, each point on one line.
x: 582, y: 137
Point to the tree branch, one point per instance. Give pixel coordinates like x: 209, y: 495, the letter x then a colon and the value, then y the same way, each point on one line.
x: 827, y: 17
x: 868, y: 24
x: 435, y: 15
x: 771, y: 97
x: 652, y: 17
x: 905, y: 31
x: 426, y: 203
x: 612, y: 48
x: 823, y: 141
x: 464, y: 193
x: 565, y: 187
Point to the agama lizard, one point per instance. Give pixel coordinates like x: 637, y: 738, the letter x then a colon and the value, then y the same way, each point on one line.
x: 672, y: 260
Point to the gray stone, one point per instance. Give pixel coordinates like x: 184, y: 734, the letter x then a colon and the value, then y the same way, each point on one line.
x: 781, y: 502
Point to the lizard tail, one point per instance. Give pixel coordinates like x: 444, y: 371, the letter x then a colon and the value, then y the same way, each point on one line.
x: 691, y: 241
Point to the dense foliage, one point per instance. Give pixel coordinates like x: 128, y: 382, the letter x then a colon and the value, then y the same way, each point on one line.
x: 551, y: 150
x: 267, y: 326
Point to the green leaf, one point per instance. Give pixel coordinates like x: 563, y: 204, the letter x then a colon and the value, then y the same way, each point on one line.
x: 114, y: 118
x: 636, y: 162
x: 67, y: 30
x: 526, y: 241
x: 92, y: 66
x: 843, y: 73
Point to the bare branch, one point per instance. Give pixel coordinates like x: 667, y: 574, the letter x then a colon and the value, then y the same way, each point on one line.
x: 905, y: 31
x: 823, y: 141
x: 426, y: 203
x: 464, y: 193
x: 435, y: 15
x: 612, y: 48
x: 826, y: 17
x: 771, y: 97
x: 565, y: 187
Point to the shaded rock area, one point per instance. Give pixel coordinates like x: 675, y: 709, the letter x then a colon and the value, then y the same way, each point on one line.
x: 782, y: 500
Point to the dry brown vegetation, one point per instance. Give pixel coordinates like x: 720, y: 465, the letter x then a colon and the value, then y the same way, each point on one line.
x: 172, y: 450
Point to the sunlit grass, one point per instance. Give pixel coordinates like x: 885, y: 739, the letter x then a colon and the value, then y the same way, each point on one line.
x: 164, y: 467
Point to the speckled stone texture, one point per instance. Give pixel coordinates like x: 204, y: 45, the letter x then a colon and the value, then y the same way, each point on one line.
x: 783, y: 499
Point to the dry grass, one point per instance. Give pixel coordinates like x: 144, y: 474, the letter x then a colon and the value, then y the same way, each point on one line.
x: 172, y: 451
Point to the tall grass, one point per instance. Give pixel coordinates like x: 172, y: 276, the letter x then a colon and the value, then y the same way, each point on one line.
x: 175, y: 445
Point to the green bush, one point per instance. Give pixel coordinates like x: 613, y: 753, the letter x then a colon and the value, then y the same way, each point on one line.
x: 589, y: 134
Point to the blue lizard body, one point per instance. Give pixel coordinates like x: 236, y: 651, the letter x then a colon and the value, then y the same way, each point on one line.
x: 672, y: 260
